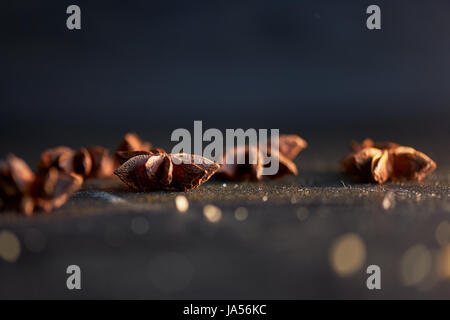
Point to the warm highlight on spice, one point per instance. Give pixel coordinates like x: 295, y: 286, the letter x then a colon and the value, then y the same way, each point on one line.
x: 379, y: 162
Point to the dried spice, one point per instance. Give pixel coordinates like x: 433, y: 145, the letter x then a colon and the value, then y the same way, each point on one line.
x: 287, y: 166
x: 379, y: 162
x: 81, y: 163
x: 162, y: 171
x: 130, y: 142
x: 124, y: 156
x: 22, y: 190
x: 16, y: 179
x: 93, y: 162
x: 289, y: 147
x: 369, y: 143
x: 246, y: 171
x: 368, y: 164
x: 60, y: 157
x: 410, y: 164
x: 53, y: 188
x: 102, y: 162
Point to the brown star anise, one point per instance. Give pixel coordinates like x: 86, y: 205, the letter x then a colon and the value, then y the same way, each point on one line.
x: 152, y: 171
x: 245, y: 171
x: 289, y: 147
x: 16, y: 179
x: 124, y: 156
x: 130, y: 142
x: 22, y: 190
x: 379, y: 162
x: 60, y: 157
x: 102, y: 162
x: 53, y: 188
x: 92, y: 162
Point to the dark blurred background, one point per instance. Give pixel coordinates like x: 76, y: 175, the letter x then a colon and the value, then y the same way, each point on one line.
x: 307, y: 67
x: 310, y: 67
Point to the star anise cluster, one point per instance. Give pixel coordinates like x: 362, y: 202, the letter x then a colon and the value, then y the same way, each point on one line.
x: 379, y: 162
x: 62, y: 170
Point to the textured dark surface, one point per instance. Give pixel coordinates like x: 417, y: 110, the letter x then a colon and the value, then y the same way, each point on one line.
x: 271, y: 254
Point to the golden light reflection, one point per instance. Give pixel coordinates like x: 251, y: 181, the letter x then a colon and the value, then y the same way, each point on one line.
x: 348, y: 254
x: 9, y: 246
x: 212, y: 213
x: 182, y: 204
x: 388, y: 201
x: 443, y: 262
x: 415, y: 265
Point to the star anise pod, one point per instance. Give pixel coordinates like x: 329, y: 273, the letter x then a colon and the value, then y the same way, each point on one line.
x: 124, y: 156
x: 59, y: 157
x: 410, y: 164
x: 22, y: 190
x: 89, y: 163
x: 382, y: 161
x: 161, y: 171
x: 16, y: 179
x: 369, y: 143
x: 368, y: 165
x: 53, y: 188
x: 289, y: 147
x: 245, y: 171
x: 102, y: 162
x: 131, y: 142
x: 82, y: 163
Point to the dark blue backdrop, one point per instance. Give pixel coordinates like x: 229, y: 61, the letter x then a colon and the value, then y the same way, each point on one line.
x: 159, y: 65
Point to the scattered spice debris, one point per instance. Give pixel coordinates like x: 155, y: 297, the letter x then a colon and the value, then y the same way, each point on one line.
x: 22, y: 190
x: 379, y: 162
x: 152, y: 171
x: 289, y: 147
